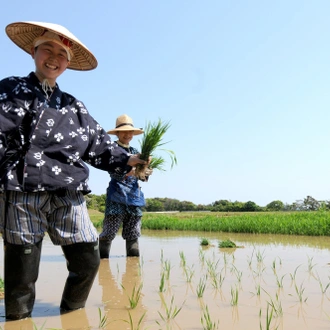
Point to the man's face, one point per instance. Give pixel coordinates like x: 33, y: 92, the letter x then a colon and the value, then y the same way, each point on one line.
x: 51, y: 61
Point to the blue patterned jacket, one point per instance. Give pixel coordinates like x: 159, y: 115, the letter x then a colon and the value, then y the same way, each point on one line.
x: 62, y: 137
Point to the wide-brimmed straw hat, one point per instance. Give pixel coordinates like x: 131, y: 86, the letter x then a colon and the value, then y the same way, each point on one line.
x: 23, y: 34
x: 125, y: 123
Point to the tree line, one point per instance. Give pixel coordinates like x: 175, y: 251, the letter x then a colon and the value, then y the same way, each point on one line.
x: 97, y: 202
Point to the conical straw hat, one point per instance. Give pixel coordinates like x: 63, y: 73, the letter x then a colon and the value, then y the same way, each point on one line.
x: 23, y: 35
x: 125, y: 123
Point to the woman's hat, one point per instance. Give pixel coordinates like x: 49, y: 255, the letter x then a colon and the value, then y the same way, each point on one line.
x: 27, y: 35
x: 125, y: 123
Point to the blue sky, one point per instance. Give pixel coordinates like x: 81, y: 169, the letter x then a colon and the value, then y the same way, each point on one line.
x: 244, y: 84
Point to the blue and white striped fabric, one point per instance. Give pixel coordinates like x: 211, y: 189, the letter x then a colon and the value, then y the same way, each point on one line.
x: 30, y: 215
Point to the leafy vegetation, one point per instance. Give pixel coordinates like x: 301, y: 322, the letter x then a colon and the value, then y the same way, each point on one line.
x: 169, y: 204
x: 285, y: 223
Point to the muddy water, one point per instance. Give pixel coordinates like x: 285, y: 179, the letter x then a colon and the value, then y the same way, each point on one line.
x: 290, y: 273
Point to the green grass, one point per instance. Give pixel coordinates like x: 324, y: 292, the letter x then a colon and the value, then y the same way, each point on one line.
x: 295, y: 223
x: 285, y: 223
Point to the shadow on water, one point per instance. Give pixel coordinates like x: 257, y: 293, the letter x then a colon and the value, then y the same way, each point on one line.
x: 290, y: 274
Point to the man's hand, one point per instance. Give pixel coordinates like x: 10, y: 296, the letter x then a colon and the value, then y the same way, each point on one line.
x: 134, y: 160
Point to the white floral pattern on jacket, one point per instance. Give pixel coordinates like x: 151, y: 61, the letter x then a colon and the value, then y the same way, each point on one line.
x: 62, y: 137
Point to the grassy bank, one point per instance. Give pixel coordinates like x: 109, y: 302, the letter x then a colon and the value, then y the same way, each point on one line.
x: 296, y: 223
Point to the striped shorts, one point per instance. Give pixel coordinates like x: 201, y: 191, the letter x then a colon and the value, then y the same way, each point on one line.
x: 27, y: 216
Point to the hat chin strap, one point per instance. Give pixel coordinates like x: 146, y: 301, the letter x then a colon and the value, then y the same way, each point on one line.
x: 123, y: 144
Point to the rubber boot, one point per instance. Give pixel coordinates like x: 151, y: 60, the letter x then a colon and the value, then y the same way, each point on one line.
x: 83, y: 260
x: 104, y: 246
x: 132, y: 248
x: 20, y: 275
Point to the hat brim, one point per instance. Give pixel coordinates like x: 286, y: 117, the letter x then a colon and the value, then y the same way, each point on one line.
x: 136, y: 131
x: 23, y: 35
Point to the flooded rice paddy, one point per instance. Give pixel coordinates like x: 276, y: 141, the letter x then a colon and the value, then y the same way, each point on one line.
x: 271, y: 282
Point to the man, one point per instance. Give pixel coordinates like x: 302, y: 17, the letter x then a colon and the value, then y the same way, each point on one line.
x: 46, y: 138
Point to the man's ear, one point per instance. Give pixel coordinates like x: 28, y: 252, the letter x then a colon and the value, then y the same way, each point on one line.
x: 32, y: 52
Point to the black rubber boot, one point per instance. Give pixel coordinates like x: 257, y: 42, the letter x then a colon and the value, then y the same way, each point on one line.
x: 83, y: 260
x: 20, y: 275
x: 132, y: 248
x: 104, y: 246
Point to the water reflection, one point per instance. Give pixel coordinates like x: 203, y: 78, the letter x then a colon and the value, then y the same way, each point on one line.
x: 119, y: 286
x: 320, y: 242
x: 292, y: 272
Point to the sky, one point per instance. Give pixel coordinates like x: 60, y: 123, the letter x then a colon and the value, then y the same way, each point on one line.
x: 244, y: 84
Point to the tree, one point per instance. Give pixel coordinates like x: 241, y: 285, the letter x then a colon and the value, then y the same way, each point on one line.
x: 275, y: 206
x: 311, y: 204
x: 154, y: 205
x: 250, y: 207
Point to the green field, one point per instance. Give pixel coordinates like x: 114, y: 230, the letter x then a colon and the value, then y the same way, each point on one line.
x: 285, y: 223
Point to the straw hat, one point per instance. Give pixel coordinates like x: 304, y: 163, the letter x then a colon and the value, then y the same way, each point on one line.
x: 23, y: 34
x: 125, y: 123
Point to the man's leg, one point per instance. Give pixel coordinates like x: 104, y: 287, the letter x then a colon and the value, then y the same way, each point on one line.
x: 83, y: 261
x: 20, y: 275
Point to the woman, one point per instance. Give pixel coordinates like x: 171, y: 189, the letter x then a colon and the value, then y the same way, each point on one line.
x: 125, y: 198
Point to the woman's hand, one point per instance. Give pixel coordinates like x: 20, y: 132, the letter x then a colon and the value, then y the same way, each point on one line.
x: 134, y: 160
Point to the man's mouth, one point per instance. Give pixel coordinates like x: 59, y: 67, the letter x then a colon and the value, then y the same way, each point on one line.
x: 51, y: 66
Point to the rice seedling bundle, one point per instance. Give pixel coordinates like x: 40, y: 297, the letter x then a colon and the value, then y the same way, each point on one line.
x: 151, y: 142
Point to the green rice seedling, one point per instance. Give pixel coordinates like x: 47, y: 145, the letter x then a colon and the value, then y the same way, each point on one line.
x: 189, y: 273
x: 274, y: 266
x: 103, y: 320
x: 151, y: 141
x: 275, y: 304
x: 167, y: 269
x: 258, y: 289
x: 162, y: 283
x: 201, y: 286
x: 323, y: 288
x: 171, y: 311
x: 286, y: 223
x: 234, y: 296
x: 225, y: 259
x: 279, y: 281
x: 217, y: 280
x: 260, y: 256
x: 183, y: 259
x: 206, y: 321
x: 131, y: 323
x: 300, y: 292
x: 238, y: 274
x: 201, y: 256
x: 204, y: 241
x: 310, y: 264
x: 36, y: 328
x: 258, y: 273
x: 269, y: 318
x: 212, y: 267
x: 135, y: 296
x: 227, y: 244
x: 293, y: 276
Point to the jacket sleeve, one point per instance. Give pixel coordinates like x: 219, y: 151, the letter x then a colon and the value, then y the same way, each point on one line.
x: 102, y: 152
